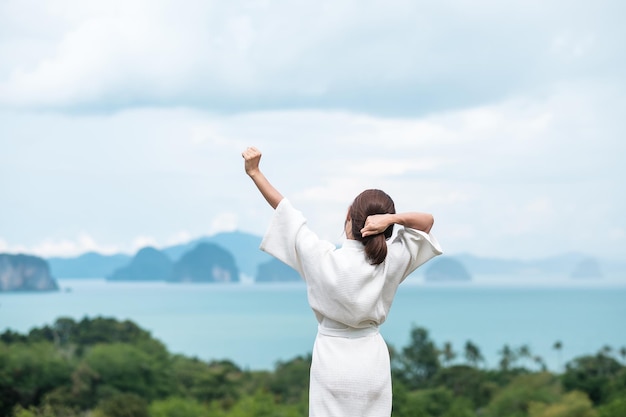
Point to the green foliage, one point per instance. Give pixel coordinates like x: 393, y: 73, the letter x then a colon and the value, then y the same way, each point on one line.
x: 472, y: 354
x: 126, y: 368
x: 438, y: 402
x: 105, y: 368
x: 181, y: 407
x: 514, y: 399
x: 10, y: 336
x: 573, y: 404
x: 290, y: 380
x: 263, y: 404
x: 44, y: 411
x: 205, y: 381
x: 593, y: 375
x: 615, y: 408
x: 466, y: 381
x: 122, y: 405
x: 27, y: 371
x: 419, y: 360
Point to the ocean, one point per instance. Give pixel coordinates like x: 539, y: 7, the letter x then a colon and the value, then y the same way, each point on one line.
x: 257, y: 325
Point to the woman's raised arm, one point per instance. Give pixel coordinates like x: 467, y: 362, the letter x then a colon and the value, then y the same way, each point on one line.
x: 252, y: 157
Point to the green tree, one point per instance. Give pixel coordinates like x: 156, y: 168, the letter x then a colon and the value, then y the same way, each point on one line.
x: 593, y: 375
x: 263, y: 404
x: 473, y: 356
x: 541, y: 364
x: 447, y: 353
x: 204, y: 381
x: 45, y: 411
x: 9, y: 336
x: 182, y: 407
x: 558, y: 346
x: 434, y: 402
x: 122, y: 405
x: 82, y: 393
x: 467, y: 382
x: 507, y: 358
x: 524, y: 353
x: 615, y: 408
x: 572, y: 404
x: 28, y: 371
x: 514, y: 399
x: 127, y: 368
x: 419, y: 360
x: 290, y: 380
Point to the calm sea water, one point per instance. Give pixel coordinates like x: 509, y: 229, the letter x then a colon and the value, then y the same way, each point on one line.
x: 257, y: 325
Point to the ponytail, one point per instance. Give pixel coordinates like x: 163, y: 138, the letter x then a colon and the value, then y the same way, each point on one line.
x: 376, y: 249
x: 367, y: 203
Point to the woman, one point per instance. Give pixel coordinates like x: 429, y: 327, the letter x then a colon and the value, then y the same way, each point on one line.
x: 350, y: 290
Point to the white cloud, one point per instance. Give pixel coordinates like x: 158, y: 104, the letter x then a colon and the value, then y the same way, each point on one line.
x: 3, y: 246
x: 223, y: 222
x: 378, y: 168
x: 393, y: 57
x: 140, y: 242
x: 511, y: 177
x: 181, y: 237
x: 52, y: 247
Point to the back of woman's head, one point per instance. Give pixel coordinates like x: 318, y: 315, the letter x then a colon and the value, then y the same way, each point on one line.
x: 367, y: 203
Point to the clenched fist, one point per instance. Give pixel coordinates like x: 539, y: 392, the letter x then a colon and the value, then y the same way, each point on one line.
x: 252, y: 156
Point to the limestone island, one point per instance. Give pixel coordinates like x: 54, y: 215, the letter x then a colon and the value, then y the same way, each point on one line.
x: 446, y: 269
x: 25, y: 273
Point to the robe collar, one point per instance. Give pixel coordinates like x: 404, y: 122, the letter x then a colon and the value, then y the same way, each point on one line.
x: 351, y: 243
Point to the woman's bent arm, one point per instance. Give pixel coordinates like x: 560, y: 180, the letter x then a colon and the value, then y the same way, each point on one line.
x: 252, y: 157
x: 379, y: 222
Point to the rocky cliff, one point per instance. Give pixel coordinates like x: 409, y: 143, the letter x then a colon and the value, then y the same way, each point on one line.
x: 25, y: 273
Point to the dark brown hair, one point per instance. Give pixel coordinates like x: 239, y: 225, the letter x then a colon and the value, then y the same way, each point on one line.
x: 367, y: 203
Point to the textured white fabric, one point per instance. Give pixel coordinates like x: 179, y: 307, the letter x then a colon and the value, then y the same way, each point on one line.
x: 350, y: 374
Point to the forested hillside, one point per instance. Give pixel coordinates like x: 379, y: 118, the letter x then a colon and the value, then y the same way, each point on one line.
x: 101, y: 367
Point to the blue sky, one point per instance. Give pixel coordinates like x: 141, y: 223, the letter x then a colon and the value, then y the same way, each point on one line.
x: 122, y: 122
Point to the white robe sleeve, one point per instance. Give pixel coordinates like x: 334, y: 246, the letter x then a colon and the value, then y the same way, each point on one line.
x: 411, y: 248
x: 289, y: 239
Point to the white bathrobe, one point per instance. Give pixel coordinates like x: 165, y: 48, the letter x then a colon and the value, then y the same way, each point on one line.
x: 350, y: 371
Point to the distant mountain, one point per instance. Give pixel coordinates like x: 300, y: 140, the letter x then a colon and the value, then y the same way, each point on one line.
x: 446, y: 268
x: 149, y: 264
x: 248, y: 258
x: 207, y: 262
x: 562, y: 264
x: 276, y: 271
x: 25, y: 273
x: 87, y: 265
x: 243, y: 246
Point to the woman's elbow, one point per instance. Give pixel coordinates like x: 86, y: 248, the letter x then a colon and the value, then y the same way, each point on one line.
x: 429, y: 223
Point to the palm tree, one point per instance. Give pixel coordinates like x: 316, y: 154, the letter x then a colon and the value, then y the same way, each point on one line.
x: 540, y: 363
x: 558, y: 346
x: 523, y: 352
x: 472, y: 354
x: 622, y: 352
x: 448, y: 353
x: 606, y: 350
x: 508, y: 358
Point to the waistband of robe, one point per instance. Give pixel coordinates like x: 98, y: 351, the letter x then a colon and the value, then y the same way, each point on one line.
x: 349, y: 332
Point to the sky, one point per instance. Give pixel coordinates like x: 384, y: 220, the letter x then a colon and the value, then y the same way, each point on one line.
x: 122, y: 122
